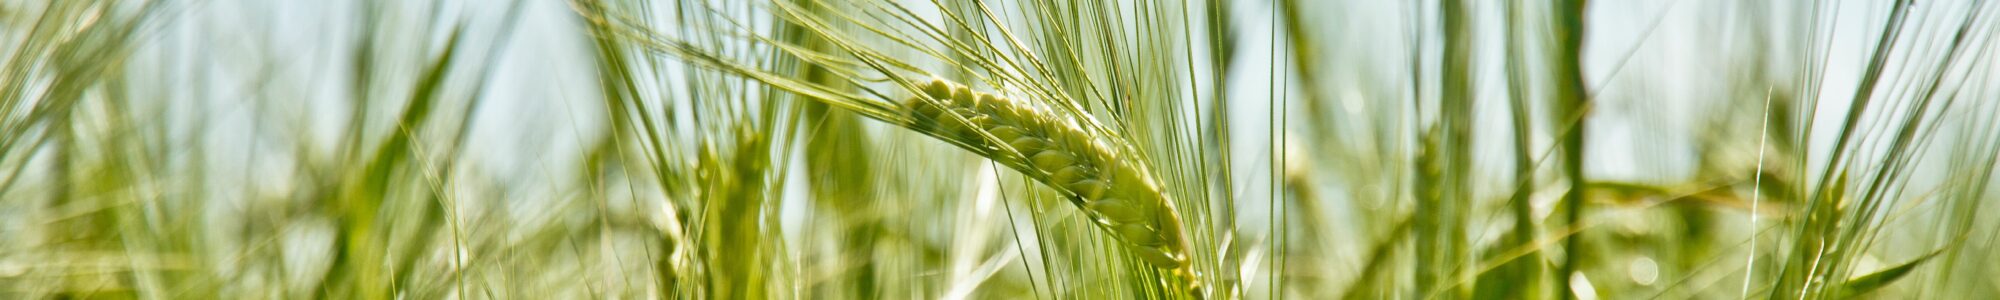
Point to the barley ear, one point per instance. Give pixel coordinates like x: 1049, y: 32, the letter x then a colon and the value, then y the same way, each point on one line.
x: 1113, y: 188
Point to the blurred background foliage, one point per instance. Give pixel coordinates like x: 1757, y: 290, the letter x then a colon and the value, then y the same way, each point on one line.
x: 714, y: 149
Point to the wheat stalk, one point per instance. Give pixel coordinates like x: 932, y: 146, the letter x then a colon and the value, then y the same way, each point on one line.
x: 1114, y: 189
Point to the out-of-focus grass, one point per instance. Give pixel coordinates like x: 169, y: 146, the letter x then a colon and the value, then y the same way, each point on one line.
x: 167, y: 149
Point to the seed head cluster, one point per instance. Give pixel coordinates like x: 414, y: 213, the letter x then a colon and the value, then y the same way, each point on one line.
x: 1114, y: 189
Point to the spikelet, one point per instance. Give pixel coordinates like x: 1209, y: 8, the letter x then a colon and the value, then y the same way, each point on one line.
x: 1114, y: 189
